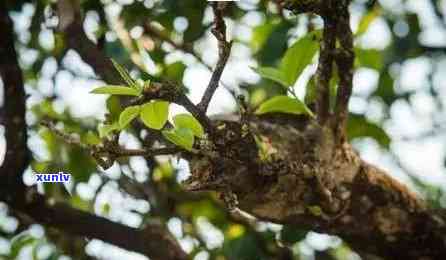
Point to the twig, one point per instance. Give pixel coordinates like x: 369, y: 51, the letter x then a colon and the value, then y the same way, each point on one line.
x: 110, y: 151
x: 147, y: 152
x: 70, y: 139
x: 179, y: 46
x: 154, y: 32
x: 224, y: 49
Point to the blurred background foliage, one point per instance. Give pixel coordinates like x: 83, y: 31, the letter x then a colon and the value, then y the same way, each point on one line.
x: 398, y: 105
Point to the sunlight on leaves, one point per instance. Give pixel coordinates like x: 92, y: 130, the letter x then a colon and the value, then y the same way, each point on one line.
x: 299, y: 56
x: 116, y: 90
x: 126, y: 76
x: 128, y: 115
x: 295, y: 60
x: 284, y: 104
x: 182, y: 137
x: 274, y: 75
x: 105, y: 129
x: 366, y: 20
x: 154, y: 114
x: 189, y: 122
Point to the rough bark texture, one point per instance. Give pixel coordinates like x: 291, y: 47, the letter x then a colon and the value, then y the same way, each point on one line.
x: 310, y: 181
x: 12, y: 115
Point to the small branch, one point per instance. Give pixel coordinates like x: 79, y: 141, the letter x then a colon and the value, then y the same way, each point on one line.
x: 68, y: 138
x: 224, y: 50
x: 154, y: 32
x: 344, y: 60
x: 110, y: 151
x: 121, y: 152
x: 324, y: 69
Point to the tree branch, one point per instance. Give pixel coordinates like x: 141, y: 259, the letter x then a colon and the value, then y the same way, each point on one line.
x: 344, y: 59
x: 70, y: 25
x: 13, y: 111
x: 324, y: 69
x: 154, y: 32
x: 224, y: 50
x: 153, y: 241
x: 360, y: 203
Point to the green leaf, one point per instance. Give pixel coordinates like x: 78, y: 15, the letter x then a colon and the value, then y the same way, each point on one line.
x: 114, y: 108
x: 315, y: 210
x: 174, y: 71
x: 261, y: 34
x: 19, y: 242
x: 189, y: 122
x: 290, y: 235
x: 359, y: 126
x: 116, y: 90
x: 182, y: 137
x: 284, y: 104
x: 128, y: 115
x: 273, y: 74
x: 154, y: 114
x: 295, y: 60
x: 370, y: 58
x: 125, y: 75
x: 90, y: 138
x: 298, y: 56
x: 106, y: 129
x: 366, y: 20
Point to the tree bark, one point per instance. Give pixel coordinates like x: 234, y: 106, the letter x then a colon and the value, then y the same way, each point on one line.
x: 309, y: 180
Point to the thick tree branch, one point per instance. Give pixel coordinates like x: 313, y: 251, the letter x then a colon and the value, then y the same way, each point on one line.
x: 313, y: 182
x: 344, y: 59
x: 324, y: 69
x: 224, y: 50
x: 13, y: 111
x: 152, y: 241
